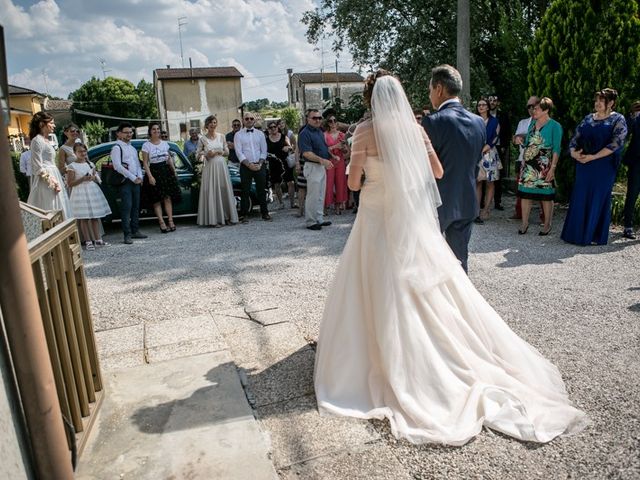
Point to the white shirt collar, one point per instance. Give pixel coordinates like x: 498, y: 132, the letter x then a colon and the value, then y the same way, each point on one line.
x: 451, y: 100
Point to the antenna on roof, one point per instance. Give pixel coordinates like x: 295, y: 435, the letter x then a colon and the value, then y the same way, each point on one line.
x: 103, y: 65
x: 181, y: 22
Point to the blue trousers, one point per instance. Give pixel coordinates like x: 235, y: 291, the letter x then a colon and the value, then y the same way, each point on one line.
x: 458, y: 233
x: 129, y: 207
x: 633, y: 189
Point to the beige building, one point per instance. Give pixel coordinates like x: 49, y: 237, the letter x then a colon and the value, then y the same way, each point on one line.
x: 23, y: 104
x: 317, y: 90
x: 186, y: 96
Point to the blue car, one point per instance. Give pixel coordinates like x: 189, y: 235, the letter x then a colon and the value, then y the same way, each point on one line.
x: 189, y: 186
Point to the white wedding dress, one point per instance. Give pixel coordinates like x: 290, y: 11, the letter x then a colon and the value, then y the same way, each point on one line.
x: 412, y: 340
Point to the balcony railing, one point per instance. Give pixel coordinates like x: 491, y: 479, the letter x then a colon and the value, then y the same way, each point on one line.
x: 62, y: 294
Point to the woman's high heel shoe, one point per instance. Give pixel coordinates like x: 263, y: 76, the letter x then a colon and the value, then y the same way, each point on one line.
x: 163, y: 228
x: 521, y: 231
x: 172, y: 227
x: 544, y: 233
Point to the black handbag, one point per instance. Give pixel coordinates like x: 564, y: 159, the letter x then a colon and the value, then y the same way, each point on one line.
x: 110, y: 176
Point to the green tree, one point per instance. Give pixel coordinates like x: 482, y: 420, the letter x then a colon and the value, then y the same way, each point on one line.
x: 411, y: 37
x: 95, y: 131
x: 116, y: 97
x: 580, y: 47
x: 257, y: 105
x: 292, y: 117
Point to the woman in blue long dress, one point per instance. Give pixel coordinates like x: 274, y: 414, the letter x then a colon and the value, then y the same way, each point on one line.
x: 596, y: 147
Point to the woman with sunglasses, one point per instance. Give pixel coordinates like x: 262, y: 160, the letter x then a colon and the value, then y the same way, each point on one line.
x: 336, y: 193
x: 65, y: 154
x: 278, y: 148
x: 489, y: 167
x: 596, y: 147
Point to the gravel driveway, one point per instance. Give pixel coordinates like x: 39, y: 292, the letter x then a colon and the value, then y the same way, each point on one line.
x: 580, y: 306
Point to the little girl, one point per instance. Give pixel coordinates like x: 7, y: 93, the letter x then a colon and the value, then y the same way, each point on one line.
x: 87, y: 201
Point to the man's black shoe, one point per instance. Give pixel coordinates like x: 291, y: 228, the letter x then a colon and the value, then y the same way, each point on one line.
x: 628, y: 233
x: 243, y: 219
x: 325, y: 224
x: 266, y: 217
x: 139, y: 235
x: 499, y: 207
x: 127, y: 240
x: 317, y: 226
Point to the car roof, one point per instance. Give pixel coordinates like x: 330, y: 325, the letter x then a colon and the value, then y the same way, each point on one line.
x: 136, y: 143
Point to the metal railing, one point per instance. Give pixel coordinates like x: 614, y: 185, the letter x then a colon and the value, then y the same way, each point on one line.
x: 62, y: 294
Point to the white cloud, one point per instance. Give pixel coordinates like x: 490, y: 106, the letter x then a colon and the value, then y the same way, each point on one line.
x: 66, y: 38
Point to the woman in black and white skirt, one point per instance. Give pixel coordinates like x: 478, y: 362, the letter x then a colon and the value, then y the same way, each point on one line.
x: 161, y: 174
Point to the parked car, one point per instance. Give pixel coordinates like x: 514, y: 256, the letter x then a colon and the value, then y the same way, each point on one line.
x: 188, y: 204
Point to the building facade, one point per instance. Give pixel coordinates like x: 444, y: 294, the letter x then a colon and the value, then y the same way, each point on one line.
x: 23, y: 104
x: 186, y: 96
x: 318, y: 90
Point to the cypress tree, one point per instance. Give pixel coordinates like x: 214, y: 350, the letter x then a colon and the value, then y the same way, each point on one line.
x: 580, y: 47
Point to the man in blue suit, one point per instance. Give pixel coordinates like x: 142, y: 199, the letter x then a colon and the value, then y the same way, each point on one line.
x: 457, y: 137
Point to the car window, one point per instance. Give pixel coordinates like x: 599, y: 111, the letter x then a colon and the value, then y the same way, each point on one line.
x: 104, y: 158
x: 177, y: 161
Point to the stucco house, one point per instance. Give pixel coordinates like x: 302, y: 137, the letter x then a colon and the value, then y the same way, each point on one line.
x: 186, y: 96
x: 23, y: 104
x: 316, y: 90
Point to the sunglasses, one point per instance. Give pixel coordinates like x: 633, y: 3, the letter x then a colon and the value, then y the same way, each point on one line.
x: 529, y: 107
x: 74, y: 130
x: 316, y: 118
x: 482, y: 105
x: 248, y: 118
x: 272, y: 126
x: 332, y: 120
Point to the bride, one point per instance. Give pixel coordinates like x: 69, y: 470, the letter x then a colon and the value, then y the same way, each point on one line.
x: 405, y: 335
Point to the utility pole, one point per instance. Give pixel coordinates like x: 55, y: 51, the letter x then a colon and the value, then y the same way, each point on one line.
x: 182, y: 21
x: 46, y: 84
x: 103, y: 65
x: 463, y: 49
x: 337, y: 81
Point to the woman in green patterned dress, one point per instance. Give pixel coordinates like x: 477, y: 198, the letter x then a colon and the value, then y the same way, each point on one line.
x: 537, y: 173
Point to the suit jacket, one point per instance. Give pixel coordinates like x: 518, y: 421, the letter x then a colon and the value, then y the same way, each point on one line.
x: 457, y: 136
x: 632, y: 154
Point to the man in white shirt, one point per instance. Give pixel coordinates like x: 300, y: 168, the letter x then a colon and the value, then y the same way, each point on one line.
x: 518, y: 139
x: 251, y: 150
x: 25, y: 159
x: 125, y: 161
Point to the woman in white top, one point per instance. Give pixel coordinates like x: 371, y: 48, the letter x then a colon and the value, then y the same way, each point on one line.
x: 87, y: 200
x: 47, y: 185
x: 217, y: 205
x: 161, y: 174
x: 65, y: 152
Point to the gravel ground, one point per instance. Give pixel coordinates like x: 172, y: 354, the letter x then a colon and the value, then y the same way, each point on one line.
x: 578, y: 305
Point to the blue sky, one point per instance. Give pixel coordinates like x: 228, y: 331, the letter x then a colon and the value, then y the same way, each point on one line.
x: 56, y: 45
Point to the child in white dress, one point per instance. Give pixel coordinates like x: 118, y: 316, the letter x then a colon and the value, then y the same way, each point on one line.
x: 87, y: 201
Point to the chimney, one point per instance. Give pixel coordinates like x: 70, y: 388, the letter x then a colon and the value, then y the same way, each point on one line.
x: 168, y: 67
x: 191, y: 69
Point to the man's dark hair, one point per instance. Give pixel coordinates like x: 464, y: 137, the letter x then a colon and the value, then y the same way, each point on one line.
x: 448, y: 77
x: 124, y: 125
x: 311, y: 110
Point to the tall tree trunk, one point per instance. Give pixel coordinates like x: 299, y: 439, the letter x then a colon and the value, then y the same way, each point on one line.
x: 464, y: 49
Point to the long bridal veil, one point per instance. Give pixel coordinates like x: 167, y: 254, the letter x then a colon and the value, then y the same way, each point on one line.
x: 414, y: 240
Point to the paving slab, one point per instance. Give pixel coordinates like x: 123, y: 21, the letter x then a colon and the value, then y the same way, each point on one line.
x: 121, y: 347
x: 299, y: 434
x: 256, y: 346
x: 183, y: 419
x: 289, y: 378
x: 373, y: 463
